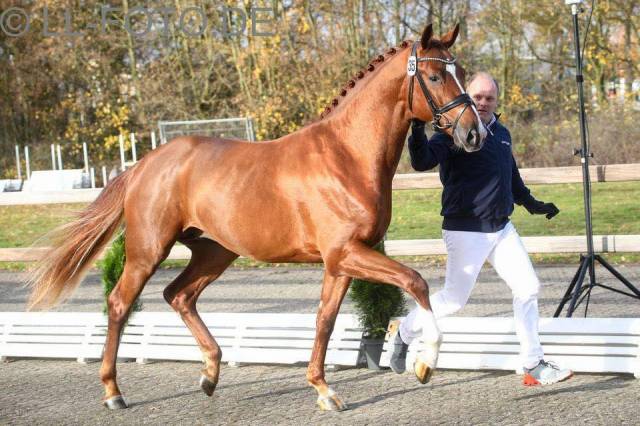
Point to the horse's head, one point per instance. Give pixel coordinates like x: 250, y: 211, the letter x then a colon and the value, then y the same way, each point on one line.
x: 436, y: 90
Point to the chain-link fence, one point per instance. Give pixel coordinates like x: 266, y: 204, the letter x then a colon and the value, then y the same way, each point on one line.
x: 231, y: 128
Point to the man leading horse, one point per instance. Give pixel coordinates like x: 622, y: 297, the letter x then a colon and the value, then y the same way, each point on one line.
x: 479, y: 191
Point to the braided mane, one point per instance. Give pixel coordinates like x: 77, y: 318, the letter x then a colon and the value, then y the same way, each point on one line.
x: 371, y: 66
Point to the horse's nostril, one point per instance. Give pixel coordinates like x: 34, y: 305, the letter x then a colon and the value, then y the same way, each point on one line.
x: 471, y: 138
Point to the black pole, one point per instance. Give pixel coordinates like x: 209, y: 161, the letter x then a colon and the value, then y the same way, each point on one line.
x: 584, y: 151
x: 576, y: 293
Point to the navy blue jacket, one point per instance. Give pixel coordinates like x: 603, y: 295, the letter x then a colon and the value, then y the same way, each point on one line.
x: 479, y: 187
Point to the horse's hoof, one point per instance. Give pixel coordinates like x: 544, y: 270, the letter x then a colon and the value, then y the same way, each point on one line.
x: 207, y: 385
x: 331, y: 403
x: 116, y: 403
x: 423, y: 371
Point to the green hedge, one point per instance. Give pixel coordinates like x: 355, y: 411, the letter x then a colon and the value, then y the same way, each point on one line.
x: 111, y: 267
x: 376, y: 303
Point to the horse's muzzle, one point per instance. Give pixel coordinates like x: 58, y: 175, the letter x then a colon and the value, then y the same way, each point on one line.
x: 470, y: 140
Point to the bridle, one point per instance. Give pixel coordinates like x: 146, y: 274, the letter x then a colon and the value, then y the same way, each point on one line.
x: 438, y: 113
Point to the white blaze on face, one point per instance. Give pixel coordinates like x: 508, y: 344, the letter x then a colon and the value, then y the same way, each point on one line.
x: 451, y: 69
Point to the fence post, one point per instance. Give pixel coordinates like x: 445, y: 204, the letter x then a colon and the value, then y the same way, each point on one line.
x: 144, y: 344
x: 59, y: 158
x: 93, y: 177
x: 636, y: 373
x: 4, y: 336
x: 104, y: 176
x: 26, y: 161
x: 121, y: 140
x: 252, y: 136
x: 18, y: 165
x: 237, y: 346
x: 84, y: 351
x: 53, y: 157
x: 85, y: 156
x: 132, y: 137
x: 153, y: 140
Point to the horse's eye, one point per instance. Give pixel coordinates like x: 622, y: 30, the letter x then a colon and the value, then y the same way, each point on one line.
x: 434, y: 78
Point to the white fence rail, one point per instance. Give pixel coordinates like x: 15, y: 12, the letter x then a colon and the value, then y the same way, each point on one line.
x: 558, y: 244
x: 243, y: 338
x: 594, y: 345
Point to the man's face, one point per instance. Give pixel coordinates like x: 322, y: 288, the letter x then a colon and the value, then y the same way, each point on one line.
x: 485, y: 94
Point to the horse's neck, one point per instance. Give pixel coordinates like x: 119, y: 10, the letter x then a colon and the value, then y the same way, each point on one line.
x: 373, y: 125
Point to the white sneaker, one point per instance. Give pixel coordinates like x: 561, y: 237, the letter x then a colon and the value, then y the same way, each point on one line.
x: 545, y: 373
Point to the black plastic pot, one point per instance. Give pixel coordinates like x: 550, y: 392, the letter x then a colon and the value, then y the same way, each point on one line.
x: 372, y: 349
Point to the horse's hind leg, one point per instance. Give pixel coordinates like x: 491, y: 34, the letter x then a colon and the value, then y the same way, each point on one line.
x: 143, y: 254
x: 208, y: 260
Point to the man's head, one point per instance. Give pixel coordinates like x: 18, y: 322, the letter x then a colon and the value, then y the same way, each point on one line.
x: 484, y: 90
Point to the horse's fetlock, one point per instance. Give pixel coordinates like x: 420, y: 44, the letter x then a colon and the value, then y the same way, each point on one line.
x: 107, y: 375
x: 314, y: 377
x: 415, y: 282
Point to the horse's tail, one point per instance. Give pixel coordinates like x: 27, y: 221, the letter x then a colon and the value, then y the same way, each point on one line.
x: 76, y: 245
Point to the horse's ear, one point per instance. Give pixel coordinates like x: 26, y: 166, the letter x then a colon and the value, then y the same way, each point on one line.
x: 449, y: 38
x: 426, y: 36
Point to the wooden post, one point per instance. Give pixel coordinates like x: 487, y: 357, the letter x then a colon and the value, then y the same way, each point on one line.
x: 153, y: 140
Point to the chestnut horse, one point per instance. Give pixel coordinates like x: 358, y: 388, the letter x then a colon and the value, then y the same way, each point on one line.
x: 321, y: 194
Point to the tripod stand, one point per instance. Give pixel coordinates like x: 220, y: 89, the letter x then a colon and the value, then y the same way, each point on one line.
x: 578, y: 290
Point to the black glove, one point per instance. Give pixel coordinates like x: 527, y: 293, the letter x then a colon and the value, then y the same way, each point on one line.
x: 417, y: 124
x: 534, y: 206
x: 418, y: 137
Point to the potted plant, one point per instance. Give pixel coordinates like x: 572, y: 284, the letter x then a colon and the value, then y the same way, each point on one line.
x: 375, y: 305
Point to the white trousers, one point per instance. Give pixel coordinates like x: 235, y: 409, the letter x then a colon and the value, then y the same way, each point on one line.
x: 466, y: 253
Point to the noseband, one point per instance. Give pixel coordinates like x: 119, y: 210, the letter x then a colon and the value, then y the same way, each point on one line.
x: 438, y: 113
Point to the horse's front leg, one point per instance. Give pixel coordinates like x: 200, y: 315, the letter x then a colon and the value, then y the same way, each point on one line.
x: 358, y: 260
x: 333, y: 290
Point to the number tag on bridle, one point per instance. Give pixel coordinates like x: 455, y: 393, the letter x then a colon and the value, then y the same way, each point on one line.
x: 451, y: 69
x: 412, y: 65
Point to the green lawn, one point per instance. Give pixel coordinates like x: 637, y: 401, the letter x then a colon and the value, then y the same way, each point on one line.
x: 20, y: 226
x: 416, y: 214
x: 616, y: 210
